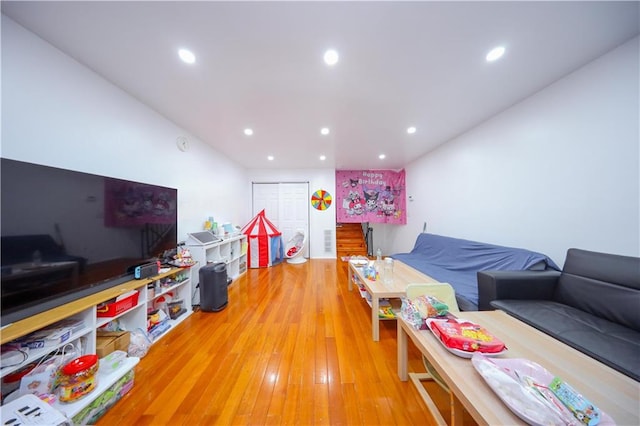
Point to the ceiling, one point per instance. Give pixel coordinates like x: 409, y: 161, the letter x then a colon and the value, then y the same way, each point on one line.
x: 259, y: 65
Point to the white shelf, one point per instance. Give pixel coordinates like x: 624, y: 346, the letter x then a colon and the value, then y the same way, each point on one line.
x: 87, y: 317
x: 173, y: 323
x: 131, y: 320
x: 169, y: 289
x: 181, y: 291
x: 35, y: 354
x: 105, y: 381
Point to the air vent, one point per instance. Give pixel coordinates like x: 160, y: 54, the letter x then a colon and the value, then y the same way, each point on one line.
x: 328, y: 241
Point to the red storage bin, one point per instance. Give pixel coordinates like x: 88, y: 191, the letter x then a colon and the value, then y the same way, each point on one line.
x: 115, y: 308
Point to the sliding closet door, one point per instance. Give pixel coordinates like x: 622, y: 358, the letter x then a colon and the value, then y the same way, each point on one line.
x: 267, y: 196
x: 286, y: 205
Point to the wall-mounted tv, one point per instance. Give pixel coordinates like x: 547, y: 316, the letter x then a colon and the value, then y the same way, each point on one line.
x: 68, y: 234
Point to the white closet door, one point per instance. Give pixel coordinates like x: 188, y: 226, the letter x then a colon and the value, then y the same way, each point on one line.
x: 294, y: 210
x: 286, y: 205
x: 267, y: 196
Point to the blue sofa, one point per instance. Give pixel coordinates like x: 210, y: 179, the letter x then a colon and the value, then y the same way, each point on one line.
x: 457, y: 262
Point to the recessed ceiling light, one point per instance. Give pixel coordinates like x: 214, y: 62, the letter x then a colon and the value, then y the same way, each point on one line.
x: 248, y: 131
x: 382, y: 156
x: 324, y: 131
x: 331, y: 57
x: 187, y: 56
x: 495, y: 54
x: 323, y: 157
x: 411, y: 130
x: 270, y: 157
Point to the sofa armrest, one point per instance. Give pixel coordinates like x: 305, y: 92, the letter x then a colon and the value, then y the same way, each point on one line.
x: 523, y: 285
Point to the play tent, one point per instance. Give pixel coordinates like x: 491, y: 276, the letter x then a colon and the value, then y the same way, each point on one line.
x: 265, y: 242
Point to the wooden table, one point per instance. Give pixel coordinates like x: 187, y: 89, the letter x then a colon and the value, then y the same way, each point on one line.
x: 614, y: 393
x: 403, y: 275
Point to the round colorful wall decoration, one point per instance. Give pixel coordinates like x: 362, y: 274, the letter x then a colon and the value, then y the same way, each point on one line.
x: 321, y: 199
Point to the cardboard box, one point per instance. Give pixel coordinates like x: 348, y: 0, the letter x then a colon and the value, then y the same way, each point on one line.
x: 109, y: 341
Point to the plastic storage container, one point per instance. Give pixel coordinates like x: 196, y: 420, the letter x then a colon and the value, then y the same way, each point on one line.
x: 78, y: 378
x: 112, y: 362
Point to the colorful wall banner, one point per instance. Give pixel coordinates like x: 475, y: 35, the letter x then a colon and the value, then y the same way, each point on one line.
x: 376, y: 196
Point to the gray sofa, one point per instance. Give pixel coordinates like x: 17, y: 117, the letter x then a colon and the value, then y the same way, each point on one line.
x: 593, y: 304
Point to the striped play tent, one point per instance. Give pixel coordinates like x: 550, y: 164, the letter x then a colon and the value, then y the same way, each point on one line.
x: 265, y: 242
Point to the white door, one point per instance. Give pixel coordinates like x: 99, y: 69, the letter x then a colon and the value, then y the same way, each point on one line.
x: 267, y: 196
x: 286, y: 205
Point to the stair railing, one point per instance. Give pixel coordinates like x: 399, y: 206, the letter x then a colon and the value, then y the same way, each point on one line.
x: 367, y: 232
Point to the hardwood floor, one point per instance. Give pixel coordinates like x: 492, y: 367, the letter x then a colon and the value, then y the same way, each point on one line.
x: 292, y: 347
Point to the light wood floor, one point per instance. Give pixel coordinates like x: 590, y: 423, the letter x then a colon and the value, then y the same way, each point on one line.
x: 292, y: 347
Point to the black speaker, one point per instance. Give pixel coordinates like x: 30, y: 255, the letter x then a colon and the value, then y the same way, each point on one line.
x: 214, y: 294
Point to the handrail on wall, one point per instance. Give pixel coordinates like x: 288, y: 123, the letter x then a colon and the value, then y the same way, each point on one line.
x: 367, y: 232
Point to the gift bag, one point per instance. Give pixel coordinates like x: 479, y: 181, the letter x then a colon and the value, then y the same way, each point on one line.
x: 411, y: 314
x: 42, y: 380
x: 416, y: 311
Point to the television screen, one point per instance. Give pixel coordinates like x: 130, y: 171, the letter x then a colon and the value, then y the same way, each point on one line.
x: 67, y: 234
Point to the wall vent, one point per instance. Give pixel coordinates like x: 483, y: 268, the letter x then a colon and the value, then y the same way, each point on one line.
x: 328, y: 241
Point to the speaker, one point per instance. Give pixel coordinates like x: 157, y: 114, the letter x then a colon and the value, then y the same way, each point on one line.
x: 214, y: 294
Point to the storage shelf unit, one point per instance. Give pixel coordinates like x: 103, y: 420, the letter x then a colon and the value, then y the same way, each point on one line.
x: 85, y: 309
x: 232, y: 251
x: 180, y: 290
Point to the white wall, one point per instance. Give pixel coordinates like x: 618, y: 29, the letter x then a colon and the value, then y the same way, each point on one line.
x: 319, y: 221
x: 57, y: 112
x: 558, y: 170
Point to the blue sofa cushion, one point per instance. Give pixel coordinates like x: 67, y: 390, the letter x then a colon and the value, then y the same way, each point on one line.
x: 456, y: 261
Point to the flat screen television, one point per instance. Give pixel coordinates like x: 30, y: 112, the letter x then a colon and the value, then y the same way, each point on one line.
x: 68, y: 234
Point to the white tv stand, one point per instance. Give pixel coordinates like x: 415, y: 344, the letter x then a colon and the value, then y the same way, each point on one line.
x: 85, y: 309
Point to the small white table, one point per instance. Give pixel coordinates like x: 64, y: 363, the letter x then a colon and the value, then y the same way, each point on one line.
x: 403, y: 275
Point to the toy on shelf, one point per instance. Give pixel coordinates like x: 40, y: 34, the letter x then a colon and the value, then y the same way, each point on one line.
x: 183, y: 258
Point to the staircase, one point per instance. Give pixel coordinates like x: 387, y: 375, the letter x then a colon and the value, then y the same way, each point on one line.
x: 350, y: 240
